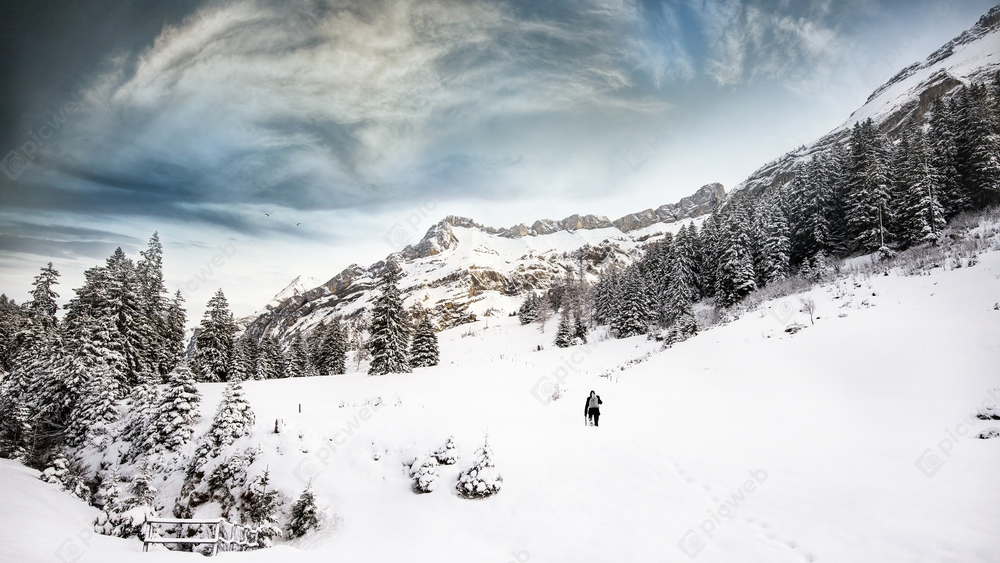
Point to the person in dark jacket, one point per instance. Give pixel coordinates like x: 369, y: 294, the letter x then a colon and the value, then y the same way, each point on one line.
x: 592, y: 408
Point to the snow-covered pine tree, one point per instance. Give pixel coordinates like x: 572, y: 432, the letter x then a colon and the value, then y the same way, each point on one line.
x: 528, y: 311
x: 775, y: 248
x: 920, y: 216
x: 425, y: 475
x: 330, y: 352
x: 390, y: 330
x: 176, y: 318
x: 124, y: 303
x: 214, y: 344
x: 96, y: 410
x: 261, y: 508
x: 125, y: 513
x: 305, y: 515
x: 633, y: 313
x: 424, y: 348
x: 736, y: 277
x: 564, y: 336
x: 226, y: 481
x: 447, y: 454
x: 138, y: 421
x: 579, y: 327
x: 270, y: 362
x: 606, y: 296
x: 868, y: 182
x: 42, y: 307
x: 63, y: 473
x: 241, y: 366
x: 686, y: 252
x: 234, y: 419
x: 154, y: 307
x: 810, y: 199
x: 176, y: 414
x: 941, y: 138
x: 296, y: 359
x: 978, y: 146
x: 482, y: 480
x: 12, y: 321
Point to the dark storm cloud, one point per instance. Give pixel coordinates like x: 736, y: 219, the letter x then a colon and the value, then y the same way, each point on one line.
x: 218, y: 113
x: 62, y: 242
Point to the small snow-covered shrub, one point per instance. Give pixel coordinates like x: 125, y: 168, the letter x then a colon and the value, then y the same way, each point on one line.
x: 448, y: 453
x: 425, y: 475
x: 989, y: 433
x: 482, y: 480
x: 66, y: 475
x: 987, y: 413
x: 124, y: 513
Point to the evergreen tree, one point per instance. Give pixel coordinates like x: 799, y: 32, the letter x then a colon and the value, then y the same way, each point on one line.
x: 390, y: 330
x: 564, y: 336
x: 138, y: 426
x: 978, y: 146
x: 736, y: 277
x: 234, y: 419
x: 241, y: 366
x: 633, y: 314
x: 424, y: 348
x: 12, y: 322
x: 297, y: 361
x: 448, y: 453
x: 42, y: 307
x: 776, y: 246
x: 942, y: 142
x: 606, y: 297
x: 921, y: 215
x: 868, y: 179
x: 482, y: 480
x: 270, y: 362
x: 96, y: 411
x: 176, y: 318
x: 305, y: 515
x: 425, y: 475
x: 579, y: 327
x: 331, y: 351
x: 176, y: 413
x: 214, y: 344
x: 261, y: 507
x: 151, y: 291
x: 528, y: 311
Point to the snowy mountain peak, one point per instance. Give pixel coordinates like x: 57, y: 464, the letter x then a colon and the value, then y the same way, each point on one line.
x: 298, y: 286
x: 462, y: 269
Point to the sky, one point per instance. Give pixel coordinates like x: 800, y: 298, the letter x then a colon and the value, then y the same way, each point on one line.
x: 265, y: 139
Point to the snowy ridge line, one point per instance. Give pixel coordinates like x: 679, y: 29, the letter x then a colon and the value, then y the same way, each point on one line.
x: 972, y: 56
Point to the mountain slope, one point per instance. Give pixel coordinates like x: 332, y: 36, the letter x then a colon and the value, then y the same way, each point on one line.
x: 463, y: 270
x: 971, y: 57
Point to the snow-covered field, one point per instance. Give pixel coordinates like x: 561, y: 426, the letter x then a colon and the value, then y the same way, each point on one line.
x: 848, y: 441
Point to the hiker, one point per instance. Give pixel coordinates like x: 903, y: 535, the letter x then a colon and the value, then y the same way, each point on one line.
x: 592, y: 408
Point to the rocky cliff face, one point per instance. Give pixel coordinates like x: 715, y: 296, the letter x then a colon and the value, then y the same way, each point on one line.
x: 462, y: 270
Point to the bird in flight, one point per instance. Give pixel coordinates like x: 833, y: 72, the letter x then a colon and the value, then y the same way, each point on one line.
x: 268, y: 214
x: 297, y: 224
